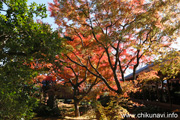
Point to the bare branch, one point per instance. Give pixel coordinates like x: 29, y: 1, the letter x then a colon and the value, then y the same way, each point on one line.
x: 3, y: 10
x: 75, y: 55
x: 109, y: 59
x: 93, y: 66
x: 129, y: 63
x: 79, y: 37
x: 100, y: 60
x: 84, y: 78
x: 69, y: 81
x: 73, y: 71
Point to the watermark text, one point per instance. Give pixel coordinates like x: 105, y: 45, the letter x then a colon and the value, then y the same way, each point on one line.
x: 151, y: 115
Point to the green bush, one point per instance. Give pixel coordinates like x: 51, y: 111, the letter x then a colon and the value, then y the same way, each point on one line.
x: 44, y: 110
x: 16, y: 104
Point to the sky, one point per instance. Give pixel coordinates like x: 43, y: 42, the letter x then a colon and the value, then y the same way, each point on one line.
x: 50, y: 20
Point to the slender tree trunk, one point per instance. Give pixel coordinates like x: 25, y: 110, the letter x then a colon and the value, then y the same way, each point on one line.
x: 119, y: 91
x: 51, y: 102
x: 134, y: 73
x: 163, y: 94
x: 136, y: 65
x: 162, y: 84
x: 76, y: 106
x: 157, y: 90
x: 76, y: 102
x: 122, y: 75
x: 169, y: 93
x: 134, y: 70
x: 122, y: 72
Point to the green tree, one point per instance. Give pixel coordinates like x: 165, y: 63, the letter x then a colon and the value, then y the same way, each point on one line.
x: 166, y: 67
x: 22, y: 40
x: 168, y: 64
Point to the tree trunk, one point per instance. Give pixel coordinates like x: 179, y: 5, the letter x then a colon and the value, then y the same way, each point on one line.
x: 122, y: 75
x: 51, y: 101
x: 157, y: 90
x: 134, y: 73
x: 169, y: 93
x: 76, y: 106
x: 135, y: 66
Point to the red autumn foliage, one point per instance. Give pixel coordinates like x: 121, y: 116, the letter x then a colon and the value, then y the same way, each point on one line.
x: 113, y: 35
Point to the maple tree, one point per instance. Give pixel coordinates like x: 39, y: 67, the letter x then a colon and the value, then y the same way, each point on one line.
x: 71, y: 80
x: 125, y: 33
x: 74, y: 75
x: 80, y: 84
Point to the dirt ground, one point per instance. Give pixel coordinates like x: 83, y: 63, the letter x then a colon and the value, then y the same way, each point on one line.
x: 68, y: 114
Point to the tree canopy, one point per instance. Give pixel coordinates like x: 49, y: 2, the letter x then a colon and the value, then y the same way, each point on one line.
x: 22, y: 40
x: 127, y: 33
